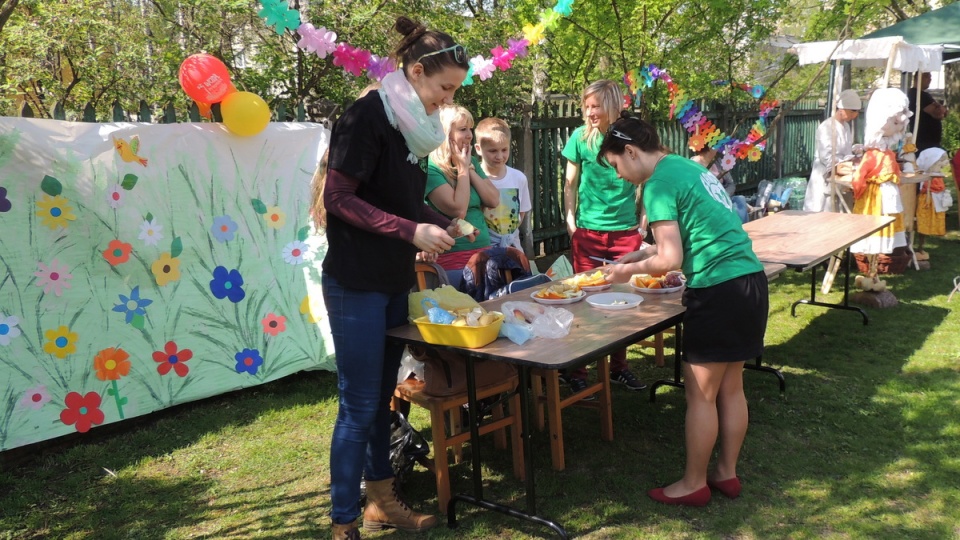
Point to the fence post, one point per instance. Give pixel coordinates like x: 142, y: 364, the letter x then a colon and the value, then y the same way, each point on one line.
x: 89, y: 113
x: 169, y: 114
x: 119, y: 115
x: 26, y: 111
x: 145, y: 113
x: 59, y: 113
x: 526, y: 152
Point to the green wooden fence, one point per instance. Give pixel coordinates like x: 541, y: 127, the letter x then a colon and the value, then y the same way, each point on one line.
x: 540, y: 135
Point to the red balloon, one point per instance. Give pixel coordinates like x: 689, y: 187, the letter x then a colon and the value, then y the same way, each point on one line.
x: 204, y: 78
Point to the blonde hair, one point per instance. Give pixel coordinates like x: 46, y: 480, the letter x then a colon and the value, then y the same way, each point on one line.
x: 611, y: 99
x: 442, y: 157
x: 492, y: 130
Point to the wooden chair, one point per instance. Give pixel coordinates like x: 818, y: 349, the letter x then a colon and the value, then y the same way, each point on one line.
x: 545, y: 384
x: 448, y: 433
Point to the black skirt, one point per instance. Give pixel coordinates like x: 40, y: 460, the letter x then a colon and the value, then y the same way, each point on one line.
x: 726, y: 322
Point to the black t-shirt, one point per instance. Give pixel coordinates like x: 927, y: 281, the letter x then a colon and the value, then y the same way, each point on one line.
x: 364, y: 146
x: 930, y: 131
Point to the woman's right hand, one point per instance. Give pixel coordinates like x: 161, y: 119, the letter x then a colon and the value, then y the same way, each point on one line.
x: 431, y: 238
x: 461, y: 158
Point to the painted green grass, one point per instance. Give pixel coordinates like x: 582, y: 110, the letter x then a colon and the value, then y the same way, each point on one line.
x: 864, y: 444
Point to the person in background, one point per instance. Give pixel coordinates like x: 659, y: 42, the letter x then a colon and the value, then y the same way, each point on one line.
x: 834, y: 144
x: 503, y: 220
x: 602, y: 212
x: 371, y: 207
x: 708, y: 159
x: 726, y: 298
x: 932, y: 112
x: 457, y: 188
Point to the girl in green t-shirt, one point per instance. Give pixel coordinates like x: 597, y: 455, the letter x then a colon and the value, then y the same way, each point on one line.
x: 458, y: 188
x: 696, y: 228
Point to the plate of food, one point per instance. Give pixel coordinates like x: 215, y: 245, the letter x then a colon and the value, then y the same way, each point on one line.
x: 615, y: 300
x: 671, y: 282
x: 558, y: 293
x: 589, y: 282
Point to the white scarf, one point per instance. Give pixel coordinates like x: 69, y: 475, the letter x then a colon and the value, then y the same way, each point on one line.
x: 422, y: 132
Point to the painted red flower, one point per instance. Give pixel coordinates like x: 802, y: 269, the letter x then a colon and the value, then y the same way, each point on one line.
x: 82, y: 411
x: 274, y: 324
x: 170, y: 358
x: 117, y: 252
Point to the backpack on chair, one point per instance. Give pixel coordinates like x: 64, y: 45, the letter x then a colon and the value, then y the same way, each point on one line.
x: 488, y: 272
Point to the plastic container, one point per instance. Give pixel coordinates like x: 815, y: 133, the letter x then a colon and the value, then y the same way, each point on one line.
x: 471, y: 337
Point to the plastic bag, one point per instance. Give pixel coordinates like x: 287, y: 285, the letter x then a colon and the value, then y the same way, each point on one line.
x: 542, y: 321
x: 409, y: 366
x: 447, y: 297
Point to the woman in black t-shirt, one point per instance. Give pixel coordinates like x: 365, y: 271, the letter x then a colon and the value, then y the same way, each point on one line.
x: 376, y: 221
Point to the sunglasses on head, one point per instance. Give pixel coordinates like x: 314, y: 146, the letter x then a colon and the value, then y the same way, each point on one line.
x: 459, y: 53
x: 620, y: 135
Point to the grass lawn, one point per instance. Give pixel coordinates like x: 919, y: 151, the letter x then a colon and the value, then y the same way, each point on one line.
x: 864, y: 444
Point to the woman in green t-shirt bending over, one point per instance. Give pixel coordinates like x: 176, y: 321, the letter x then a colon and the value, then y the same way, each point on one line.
x: 696, y: 228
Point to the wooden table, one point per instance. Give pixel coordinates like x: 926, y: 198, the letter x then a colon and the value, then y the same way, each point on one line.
x: 803, y: 240
x: 595, y: 333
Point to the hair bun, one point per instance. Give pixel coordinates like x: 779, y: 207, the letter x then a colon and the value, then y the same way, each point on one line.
x: 625, y: 114
x: 407, y: 27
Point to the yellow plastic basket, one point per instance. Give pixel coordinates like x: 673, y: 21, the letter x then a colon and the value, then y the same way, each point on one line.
x: 470, y: 337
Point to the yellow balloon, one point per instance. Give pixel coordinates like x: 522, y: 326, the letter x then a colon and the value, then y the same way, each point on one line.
x: 244, y: 113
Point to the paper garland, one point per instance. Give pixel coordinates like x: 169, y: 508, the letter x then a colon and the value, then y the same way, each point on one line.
x: 702, y: 131
x: 355, y: 60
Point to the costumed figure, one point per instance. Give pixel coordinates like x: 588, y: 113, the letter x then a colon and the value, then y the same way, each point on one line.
x: 934, y: 197
x: 834, y: 144
x: 875, y: 184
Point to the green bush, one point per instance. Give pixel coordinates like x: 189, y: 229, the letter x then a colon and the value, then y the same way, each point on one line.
x: 951, y: 132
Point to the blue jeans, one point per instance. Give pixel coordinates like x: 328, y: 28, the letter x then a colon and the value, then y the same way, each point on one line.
x: 367, y: 376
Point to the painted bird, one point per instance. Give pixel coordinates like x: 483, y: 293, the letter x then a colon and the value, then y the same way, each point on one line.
x: 128, y: 151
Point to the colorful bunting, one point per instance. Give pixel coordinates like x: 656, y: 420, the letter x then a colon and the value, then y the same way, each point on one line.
x: 355, y: 60
x: 702, y: 131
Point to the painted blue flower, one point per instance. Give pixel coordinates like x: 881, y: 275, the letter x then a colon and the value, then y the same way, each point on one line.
x: 223, y: 228
x: 249, y: 361
x: 227, y: 284
x: 133, y: 305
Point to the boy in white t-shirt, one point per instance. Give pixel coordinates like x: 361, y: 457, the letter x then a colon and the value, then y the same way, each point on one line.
x: 493, y: 146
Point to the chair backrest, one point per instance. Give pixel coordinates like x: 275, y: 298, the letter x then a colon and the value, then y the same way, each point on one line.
x: 430, y: 275
x: 525, y: 283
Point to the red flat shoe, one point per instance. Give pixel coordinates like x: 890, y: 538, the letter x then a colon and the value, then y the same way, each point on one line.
x: 699, y: 497
x: 730, y: 487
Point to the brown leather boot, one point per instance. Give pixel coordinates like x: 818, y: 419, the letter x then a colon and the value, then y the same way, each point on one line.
x: 347, y: 531
x: 385, y: 508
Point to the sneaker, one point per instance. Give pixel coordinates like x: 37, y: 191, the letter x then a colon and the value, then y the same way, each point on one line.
x: 627, y: 379
x: 562, y: 376
x: 579, y: 385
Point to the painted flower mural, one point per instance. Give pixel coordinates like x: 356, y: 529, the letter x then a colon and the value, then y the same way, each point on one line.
x: 172, y: 358
x: 248, y: 361
x: 83, y: 411
x: 60, y: 342
x: 227, y: 284
x: 166, y: 269
x: 53, y: 278
x: 55, y: 212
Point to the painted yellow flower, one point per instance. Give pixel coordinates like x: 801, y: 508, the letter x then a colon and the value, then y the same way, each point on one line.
x: 60, y: 342
x: 312, y: 309
x: 55, y: 212
x: 275, y: 217
x: 166, y: 269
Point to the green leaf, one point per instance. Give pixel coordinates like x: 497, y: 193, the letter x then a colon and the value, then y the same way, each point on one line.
x: 138, y: 322
x: 129, y: 181
x: 176, y: 247
x: 149, y: 217
x: 258, y: 206
x: 122, y: 401
x: 303, y: 233
x: 51, y: 186
x: 111, y: 392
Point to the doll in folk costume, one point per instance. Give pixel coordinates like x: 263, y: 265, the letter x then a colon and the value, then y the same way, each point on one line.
x: 934, y: 197
x: 876, y: 182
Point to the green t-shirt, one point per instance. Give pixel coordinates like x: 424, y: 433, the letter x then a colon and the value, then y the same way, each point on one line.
x: 435, y: 179
x: 715, y: 246
x: 604, y: 202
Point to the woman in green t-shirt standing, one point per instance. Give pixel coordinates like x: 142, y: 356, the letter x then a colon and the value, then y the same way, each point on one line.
x: 696, y: 228
x: 601, y: 211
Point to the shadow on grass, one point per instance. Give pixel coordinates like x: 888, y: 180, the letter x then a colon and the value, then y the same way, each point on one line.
x: 95, y: 484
